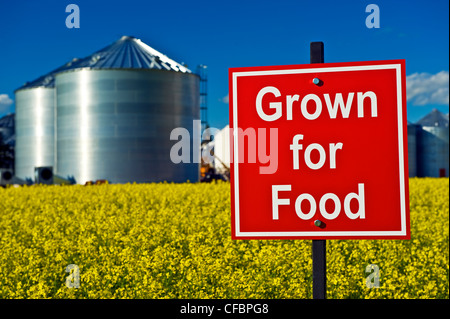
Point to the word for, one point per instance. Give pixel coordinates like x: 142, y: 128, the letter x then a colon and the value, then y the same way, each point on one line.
x: 73, y: 280
x: 373, y: 19
x: 277, y: 201
x: 373, y: 280
x: 229, y: 308
x: 73, y: 19
x: 296, y: 147
x: 333, y: 107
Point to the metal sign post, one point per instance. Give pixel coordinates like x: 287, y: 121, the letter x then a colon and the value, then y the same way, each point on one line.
x: 319, y: 254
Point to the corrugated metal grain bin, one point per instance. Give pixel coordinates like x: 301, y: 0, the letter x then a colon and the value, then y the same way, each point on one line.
x: 116, y: 110
x: 34, y: 130
x: 433, y: 145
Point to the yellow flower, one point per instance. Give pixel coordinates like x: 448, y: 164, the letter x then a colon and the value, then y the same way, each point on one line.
x: 173, y: 241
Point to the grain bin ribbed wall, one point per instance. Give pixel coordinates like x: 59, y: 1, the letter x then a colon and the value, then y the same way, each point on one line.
x: 412, y: 149
x: 34, y: 129
x: 115, y: 124
x: 433, y: 151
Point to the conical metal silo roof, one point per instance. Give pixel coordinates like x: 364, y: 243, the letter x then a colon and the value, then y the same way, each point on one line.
x: 129, y: 53
x: 7, y: 121
x: 126, y: 53
x: 48, y: 80
x: 434, y: 118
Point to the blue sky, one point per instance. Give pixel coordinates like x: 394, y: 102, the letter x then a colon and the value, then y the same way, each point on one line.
x: 222, y: 34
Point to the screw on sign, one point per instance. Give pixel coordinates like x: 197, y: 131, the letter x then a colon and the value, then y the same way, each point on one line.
x: 339, y: 169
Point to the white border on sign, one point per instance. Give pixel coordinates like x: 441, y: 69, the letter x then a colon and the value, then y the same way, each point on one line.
x: 401, y: 232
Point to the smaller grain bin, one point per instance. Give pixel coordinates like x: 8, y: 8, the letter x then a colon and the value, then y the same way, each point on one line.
x: 35, y: 124
x: 432, y: 145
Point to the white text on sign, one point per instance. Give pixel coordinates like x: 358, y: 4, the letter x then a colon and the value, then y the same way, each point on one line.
x: 359, y: 197
x: 332, y: 107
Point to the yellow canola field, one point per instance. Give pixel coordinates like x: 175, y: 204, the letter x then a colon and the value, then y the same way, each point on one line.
x: 173, y: 241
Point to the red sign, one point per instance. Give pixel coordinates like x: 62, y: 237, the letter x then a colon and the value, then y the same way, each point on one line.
x: 319, y: 151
